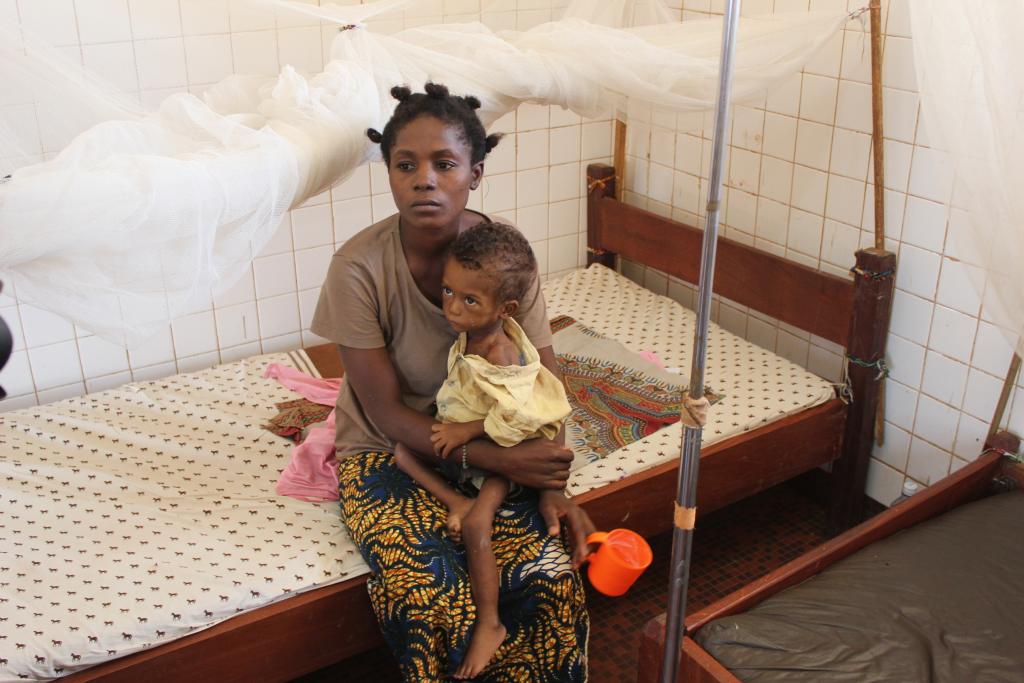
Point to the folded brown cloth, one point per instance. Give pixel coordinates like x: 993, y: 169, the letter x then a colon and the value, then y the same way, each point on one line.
x: 294, y: 416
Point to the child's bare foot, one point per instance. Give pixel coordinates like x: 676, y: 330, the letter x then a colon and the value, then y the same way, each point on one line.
x: 485, y: 642
x: 456, y: 514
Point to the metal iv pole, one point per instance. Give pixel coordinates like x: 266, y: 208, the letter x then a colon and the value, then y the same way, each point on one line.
x: 686, y: 496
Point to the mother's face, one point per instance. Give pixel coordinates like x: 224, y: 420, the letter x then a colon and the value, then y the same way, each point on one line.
x: 431, y: 173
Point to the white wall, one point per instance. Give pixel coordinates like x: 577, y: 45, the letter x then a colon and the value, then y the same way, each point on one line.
x: 799, y: 185
x: 157, y: 47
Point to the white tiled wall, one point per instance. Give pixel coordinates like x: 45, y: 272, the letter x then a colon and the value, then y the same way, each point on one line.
x: 799, y: 184
x: 155, y: 47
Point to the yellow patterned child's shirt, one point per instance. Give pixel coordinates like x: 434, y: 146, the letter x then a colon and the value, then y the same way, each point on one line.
x: 516, y: 402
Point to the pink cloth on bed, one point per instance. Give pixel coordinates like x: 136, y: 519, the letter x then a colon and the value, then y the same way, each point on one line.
x: 315, y: 389
x: 653, y: 357
x: 312, y: 474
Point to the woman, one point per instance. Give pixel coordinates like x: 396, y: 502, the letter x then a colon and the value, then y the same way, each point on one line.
x: 381, y: 303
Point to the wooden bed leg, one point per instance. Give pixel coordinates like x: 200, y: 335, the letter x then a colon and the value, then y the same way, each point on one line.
x: 601, y: 183
x: 874, y: 280
x: 1011, y: 472
x: 695, y: 664
x: 652, y: 641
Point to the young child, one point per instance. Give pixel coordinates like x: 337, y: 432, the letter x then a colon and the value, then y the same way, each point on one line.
x: 496, y: 388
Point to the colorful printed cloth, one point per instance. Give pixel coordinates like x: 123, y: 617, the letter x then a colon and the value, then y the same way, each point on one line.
x: 617, y: 396
x: 420, y: 588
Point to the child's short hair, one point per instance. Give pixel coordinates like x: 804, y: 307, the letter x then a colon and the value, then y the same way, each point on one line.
x: 501, y: 251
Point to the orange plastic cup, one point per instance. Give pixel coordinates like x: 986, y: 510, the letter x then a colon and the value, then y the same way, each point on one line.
x: 621, y: 559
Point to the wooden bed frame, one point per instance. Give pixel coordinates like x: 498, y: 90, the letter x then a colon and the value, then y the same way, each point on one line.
x: 315, y: 629
x: 970, y: 483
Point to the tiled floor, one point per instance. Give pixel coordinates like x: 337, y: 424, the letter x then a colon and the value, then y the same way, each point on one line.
x: 731, y: 547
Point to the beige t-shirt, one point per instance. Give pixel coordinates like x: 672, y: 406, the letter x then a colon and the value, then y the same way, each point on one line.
x: 370, y: 300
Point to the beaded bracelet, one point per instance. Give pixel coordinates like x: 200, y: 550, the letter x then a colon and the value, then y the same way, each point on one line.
x: 465, y: 456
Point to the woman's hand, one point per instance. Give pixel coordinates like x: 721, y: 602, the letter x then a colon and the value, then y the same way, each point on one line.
x: 555, y: 507
x: 535, y: 463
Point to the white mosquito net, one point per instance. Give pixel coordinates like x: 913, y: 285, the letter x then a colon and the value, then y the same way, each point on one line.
x: 119, y: 219
x: 968, y: 59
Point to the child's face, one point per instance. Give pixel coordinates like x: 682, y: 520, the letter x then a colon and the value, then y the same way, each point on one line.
x: 470, y: 300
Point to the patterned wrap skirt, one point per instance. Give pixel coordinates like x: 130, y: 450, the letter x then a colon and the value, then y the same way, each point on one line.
x: 420, y: 586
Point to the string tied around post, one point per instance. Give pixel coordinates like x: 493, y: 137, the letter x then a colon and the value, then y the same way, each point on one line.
x: 1009, y: 455
x: 879, y: 364
x: 883, y: 372
x: 694, y: 412
x: 872, y: 274
x: 844, y: 388
x: 860, y: 15
x: 599, y: 183
x: 859, y: 12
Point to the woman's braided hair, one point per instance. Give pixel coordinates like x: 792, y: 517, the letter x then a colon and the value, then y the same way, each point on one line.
x: 439, y: 103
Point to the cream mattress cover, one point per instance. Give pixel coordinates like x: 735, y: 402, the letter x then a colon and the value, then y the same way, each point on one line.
x: 758, y: 386
x: 135, y: 516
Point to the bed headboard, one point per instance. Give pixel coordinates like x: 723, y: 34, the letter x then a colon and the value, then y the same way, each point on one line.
x: 816, y: 302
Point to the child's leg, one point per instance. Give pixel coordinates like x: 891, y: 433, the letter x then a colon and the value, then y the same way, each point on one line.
x: 458, y: 505
x: 477, y: 527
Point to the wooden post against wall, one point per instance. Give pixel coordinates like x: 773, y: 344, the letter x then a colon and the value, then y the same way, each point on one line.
x: 619, y: 158
x: 877, y: 138
x: 605, y: 181
x: 874, y: 282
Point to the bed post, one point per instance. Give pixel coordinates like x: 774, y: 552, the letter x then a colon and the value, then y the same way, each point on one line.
x: 874, y: 279
x: 600, y: 183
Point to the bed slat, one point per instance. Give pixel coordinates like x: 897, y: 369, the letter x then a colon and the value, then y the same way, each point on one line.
x: 766, y: 456
x: 277, y: 642
x: 813, y: 301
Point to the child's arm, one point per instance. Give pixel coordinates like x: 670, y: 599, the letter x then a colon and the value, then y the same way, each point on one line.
x: 427, y: 478
x: 447, y: 437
